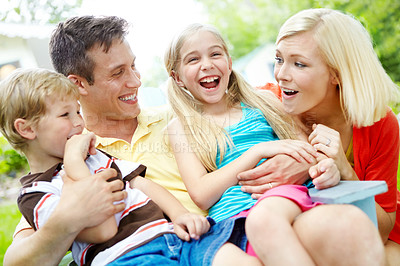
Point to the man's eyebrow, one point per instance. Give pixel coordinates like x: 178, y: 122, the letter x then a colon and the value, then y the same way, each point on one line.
x: 121, y: 65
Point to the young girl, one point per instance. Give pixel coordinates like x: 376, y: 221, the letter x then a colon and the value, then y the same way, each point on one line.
x: 224, y: 127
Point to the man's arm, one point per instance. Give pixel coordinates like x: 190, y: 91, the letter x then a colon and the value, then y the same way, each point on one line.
x: 84, y: 203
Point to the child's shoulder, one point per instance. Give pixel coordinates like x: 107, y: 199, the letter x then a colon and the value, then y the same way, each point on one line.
x: 174, y: 126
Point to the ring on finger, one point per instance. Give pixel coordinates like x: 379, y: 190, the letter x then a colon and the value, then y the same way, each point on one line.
x: 328, y: 142
x: 270, y: 185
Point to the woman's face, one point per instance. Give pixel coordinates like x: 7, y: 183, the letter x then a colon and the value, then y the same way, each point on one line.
x: 303, y: 76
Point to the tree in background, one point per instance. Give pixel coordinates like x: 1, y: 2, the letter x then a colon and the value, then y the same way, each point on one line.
x: 37, y: 11
x: 248, y: 24
x: 33, y: 12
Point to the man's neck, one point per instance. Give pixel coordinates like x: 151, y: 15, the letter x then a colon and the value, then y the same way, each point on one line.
x: 111, y: 128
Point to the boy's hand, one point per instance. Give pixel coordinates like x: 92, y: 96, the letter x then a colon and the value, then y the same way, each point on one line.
x: 81, y: 145
x: 75, y: 153
x: 325, y: 174
x: 190, y: 225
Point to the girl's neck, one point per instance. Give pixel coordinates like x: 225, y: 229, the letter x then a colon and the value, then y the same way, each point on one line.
x: 223, y: 115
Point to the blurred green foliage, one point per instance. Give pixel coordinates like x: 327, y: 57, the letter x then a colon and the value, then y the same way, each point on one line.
x: 248, y: 24
x: 11, y: 162
x: 38, y: 11
x: 10, y: 217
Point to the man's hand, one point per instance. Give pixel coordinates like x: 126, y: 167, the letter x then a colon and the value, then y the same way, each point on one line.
x: 90, y: 201
x: 190, y: 225
x: 278, y: 170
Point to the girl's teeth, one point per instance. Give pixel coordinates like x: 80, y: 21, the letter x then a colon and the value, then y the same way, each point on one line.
x: 208, y: 80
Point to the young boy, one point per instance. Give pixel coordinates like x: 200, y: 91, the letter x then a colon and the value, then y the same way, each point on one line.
x: 39, y: 115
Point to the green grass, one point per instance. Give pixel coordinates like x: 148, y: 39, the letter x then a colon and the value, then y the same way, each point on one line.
x: 9, y: 217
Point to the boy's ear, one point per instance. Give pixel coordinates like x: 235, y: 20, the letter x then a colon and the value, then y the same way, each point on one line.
x: 176, y: 77
x: 24, y: 129
x: 80, y: 82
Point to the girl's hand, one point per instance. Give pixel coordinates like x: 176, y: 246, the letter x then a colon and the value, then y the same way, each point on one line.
x: 299, y: 150
x: 190, y: 225
x: 328, y: 142
x: 325, y: 174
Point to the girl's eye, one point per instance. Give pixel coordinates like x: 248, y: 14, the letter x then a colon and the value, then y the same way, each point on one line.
x: 193, y: 59
x: 65, y: 114
x: 216, y: 54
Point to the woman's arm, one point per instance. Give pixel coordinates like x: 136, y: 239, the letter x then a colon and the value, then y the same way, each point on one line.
x: 279, y: 170
x: 377, y: 160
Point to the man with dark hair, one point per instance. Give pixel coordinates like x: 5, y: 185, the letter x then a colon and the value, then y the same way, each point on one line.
x: 94, y: 54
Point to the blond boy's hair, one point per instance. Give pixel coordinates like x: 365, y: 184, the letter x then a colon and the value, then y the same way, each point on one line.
x: 365, y: 88
x: 24, y: 93
x: 203, y: 135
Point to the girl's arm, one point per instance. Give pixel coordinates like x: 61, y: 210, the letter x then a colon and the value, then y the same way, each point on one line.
x: 76, y: 151
x: 186, y: 225
x: 205, y: 188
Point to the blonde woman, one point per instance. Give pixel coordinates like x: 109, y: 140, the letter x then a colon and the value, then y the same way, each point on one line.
x: 333, y: 83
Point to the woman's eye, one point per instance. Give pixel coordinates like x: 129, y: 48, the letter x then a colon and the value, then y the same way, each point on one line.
x: 299, y: 64
x: 278, y: 60
x: 65, y: 114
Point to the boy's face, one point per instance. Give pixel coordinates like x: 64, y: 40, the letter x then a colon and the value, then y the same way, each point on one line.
x: 61, y: 121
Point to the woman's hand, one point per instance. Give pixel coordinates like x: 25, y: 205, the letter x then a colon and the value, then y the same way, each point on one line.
x: 325, y: 174
x: 327, y: 141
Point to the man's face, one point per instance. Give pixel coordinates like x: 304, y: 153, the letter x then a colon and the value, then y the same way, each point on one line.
x: 113, y: 94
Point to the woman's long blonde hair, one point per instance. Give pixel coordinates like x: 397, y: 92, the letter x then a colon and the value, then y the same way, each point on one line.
x: 365, y: 88
x: 204, y: 136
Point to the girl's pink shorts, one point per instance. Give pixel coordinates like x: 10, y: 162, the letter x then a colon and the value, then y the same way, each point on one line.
x: 296, y: 193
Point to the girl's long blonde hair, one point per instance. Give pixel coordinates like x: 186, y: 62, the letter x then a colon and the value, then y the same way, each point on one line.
x: 204, y: 136
x: 365, y: 88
